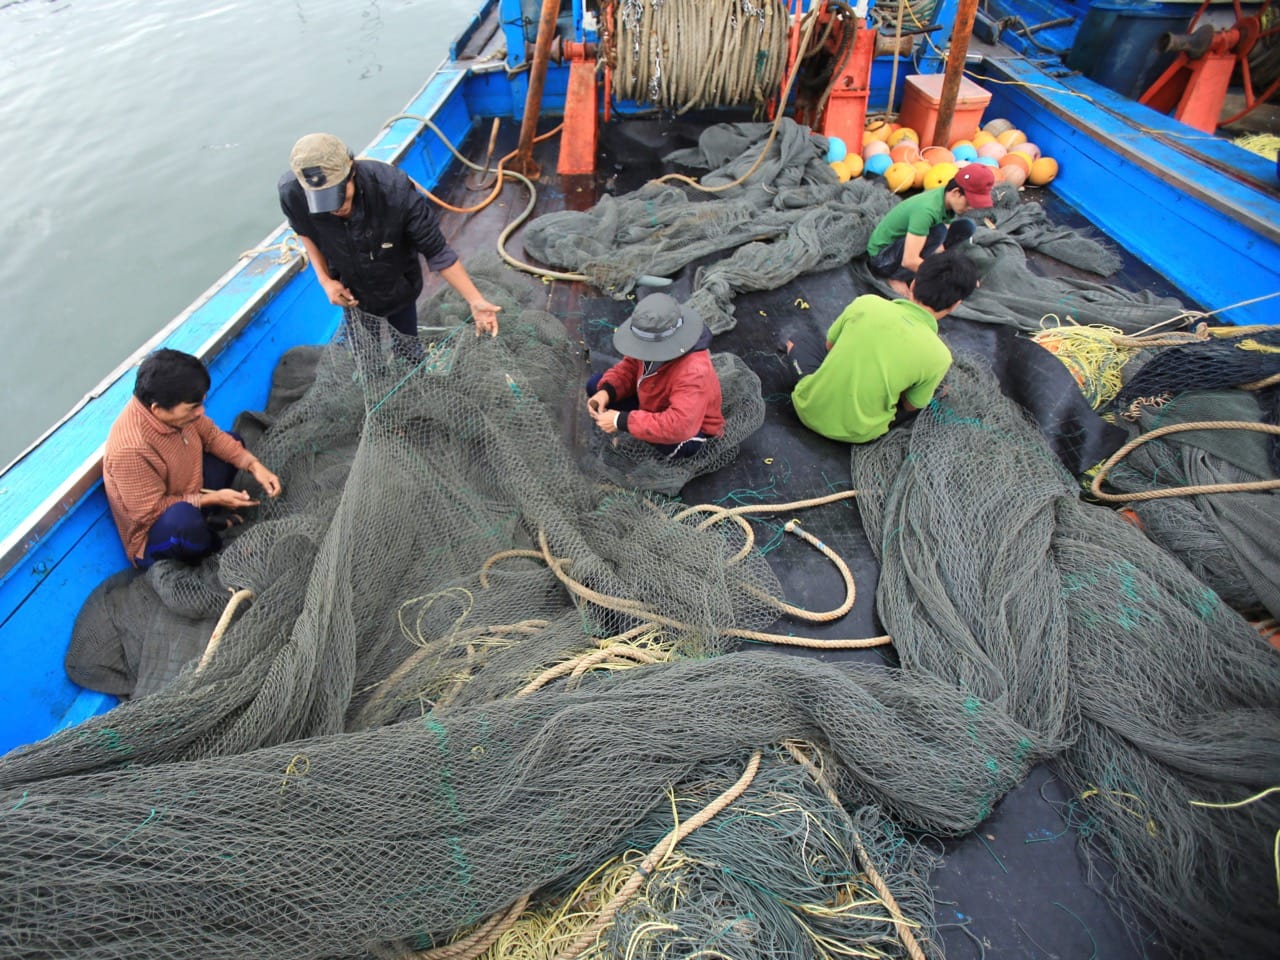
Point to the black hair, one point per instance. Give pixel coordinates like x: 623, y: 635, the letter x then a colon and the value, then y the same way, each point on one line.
x: 952, y: 184
x: 945, y: 278
x: 170, y: 377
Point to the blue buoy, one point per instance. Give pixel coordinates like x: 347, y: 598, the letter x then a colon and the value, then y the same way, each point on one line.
x: 836, y: 150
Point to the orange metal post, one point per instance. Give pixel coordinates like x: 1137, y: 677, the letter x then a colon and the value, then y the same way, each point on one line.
x: 579, y: 138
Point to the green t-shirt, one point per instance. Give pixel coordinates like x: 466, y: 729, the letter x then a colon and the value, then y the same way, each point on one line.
x: 881, y: 350
x: 918, y: 215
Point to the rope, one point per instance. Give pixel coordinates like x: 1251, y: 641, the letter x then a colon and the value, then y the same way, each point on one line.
x: 478, y: 941
x: 900, y: 922
x: 220, y: 628
x: 655, y: 857
x: 1252, y: 486
x: 685, y: 54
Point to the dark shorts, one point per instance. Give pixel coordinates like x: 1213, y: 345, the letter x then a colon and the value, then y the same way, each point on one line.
x: 888, y: 262
x: 185, y: 532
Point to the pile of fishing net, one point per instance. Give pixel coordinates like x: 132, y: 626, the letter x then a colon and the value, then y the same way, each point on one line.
x: 421, y: 716
x: 791, y: 217
x: 1159, y: 386
x: 1164, y: 701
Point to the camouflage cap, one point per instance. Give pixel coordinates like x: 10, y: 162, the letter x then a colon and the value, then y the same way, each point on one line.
x: 322, y: 164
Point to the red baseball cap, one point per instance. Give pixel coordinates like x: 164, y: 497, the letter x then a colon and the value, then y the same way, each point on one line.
x: 976, y: 180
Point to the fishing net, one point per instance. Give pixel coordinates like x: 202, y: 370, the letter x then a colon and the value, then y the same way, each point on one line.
x: 1229, y: 540
x: 1095, y: 639
x: 789, y: 219
x: 629, y: 462
x: 333, y: 846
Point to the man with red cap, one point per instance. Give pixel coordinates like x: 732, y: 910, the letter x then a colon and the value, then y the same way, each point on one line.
x: 926, y: 223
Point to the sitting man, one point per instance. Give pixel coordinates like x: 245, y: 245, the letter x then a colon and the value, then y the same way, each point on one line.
x: 880, y: 354
x: 926, y: 223
x: 167, y: 467
x: 665, y: 391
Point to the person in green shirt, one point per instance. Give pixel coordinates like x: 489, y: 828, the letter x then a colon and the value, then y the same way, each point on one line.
x: 926, y: 223
x: 883, y: 358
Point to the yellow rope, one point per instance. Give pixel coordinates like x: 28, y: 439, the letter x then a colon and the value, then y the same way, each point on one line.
x: 1275, y: 848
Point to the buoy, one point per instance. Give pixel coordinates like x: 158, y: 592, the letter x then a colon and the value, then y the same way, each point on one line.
x: 878, y: 130
x: 904, y: 133
x: 940, y: 174
x: 836, y: 150
x: 1011, y: 138
x: 1029, y: 148
x: 1017, y: 160
x: 997, y: 126
x: 900, y: 177
x: 988, y: 162
x: 980, y: 138
x: 1043, y: 171
x: 1014, y: 173
x: 964, y: 152
x: 852, y: 165
x: 878, y: 163
x: 993, y: 149
x: 936, y: 155
x: 922, y: 168
x: 873, y: 148
x: 905, y: 151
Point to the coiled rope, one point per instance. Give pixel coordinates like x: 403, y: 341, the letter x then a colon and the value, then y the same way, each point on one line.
x: 685, y: 54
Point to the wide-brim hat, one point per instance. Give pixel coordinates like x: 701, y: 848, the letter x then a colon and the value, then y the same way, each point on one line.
x: 322, y: 163
x: 660, y: 328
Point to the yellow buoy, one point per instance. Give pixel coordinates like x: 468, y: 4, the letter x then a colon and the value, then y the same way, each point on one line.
x: 1011, y: 138
x: 980, y: 138
x: 900, y: 177
x: 877, y: 130
x: 848, y: 168
x: 922, y: 168
x: 1043, y: 171
x: 939, y: 175
x: 903, y: 133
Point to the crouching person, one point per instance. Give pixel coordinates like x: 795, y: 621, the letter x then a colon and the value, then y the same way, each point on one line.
x: 167, y: 468
x: 665, y: 391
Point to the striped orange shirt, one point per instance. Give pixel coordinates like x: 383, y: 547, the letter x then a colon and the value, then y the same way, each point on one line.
x: 149, y: 466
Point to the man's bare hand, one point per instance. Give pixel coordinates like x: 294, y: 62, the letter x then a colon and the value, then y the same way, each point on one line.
x: 598, y: 401
x: 338, y: 294
x: 486, y: 316
x: 606, y: 419
x: 226, y: 497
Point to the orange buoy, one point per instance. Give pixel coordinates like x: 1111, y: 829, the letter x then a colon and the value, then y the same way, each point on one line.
x: 1043, y: 171
x: 1018, y: 160
x: 1014, y: 173
x: 900, y: 177
x: 939, y: 175
x: 904, y: 151
x: 936, y: 155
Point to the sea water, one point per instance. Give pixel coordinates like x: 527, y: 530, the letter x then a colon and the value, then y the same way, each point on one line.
x: 140, y: 144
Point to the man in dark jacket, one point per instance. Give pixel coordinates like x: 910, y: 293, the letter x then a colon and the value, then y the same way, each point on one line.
x: 363, y: 224
x: 665, y: 391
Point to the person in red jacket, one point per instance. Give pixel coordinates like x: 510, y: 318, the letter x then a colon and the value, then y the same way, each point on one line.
x: 665, y: 391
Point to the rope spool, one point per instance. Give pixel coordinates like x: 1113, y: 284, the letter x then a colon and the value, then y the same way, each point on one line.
x: 686, y: 54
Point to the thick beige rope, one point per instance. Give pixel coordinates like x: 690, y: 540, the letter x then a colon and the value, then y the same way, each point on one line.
x: 900, y: 922
x: 1252, y: 486
x: 476, y: 942
x: 221, y: 627
x: 655, y: 857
